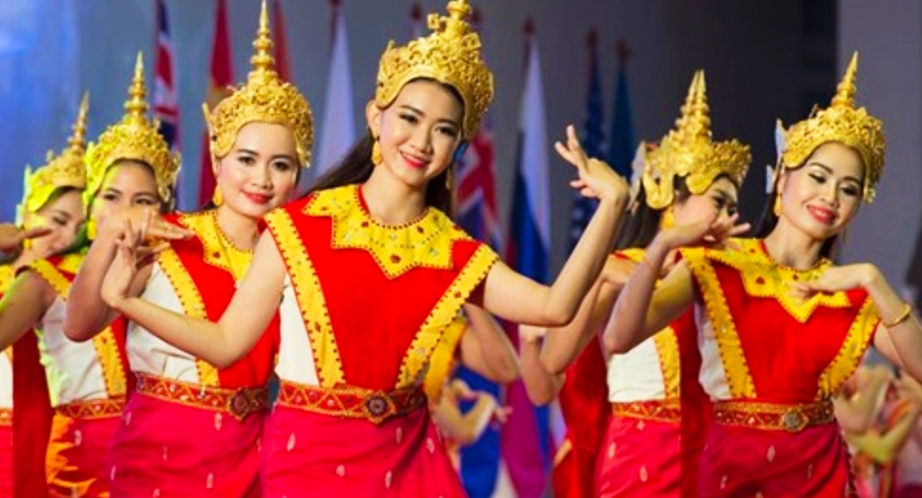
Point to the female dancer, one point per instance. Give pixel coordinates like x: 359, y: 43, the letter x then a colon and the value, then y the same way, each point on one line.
x: 784, y: 327
x: 194, y: 428
x: 129, y: 164
x: 370, y: 271
x: 689, y: 178
x: 50, y: 217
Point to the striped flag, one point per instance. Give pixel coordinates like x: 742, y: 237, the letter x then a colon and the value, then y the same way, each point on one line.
x: 219, y: 82
x: 166, y: 106
x: 337, y: 130
x: 527, y: 447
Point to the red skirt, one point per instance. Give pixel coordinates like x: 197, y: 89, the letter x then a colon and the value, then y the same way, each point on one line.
x: 640, y: 458
x: 6, y: 460
x: 163, y: 448
x: 742, y: 461
x: 76, y: 460
x: 308, y: 454
x: 574, y: 474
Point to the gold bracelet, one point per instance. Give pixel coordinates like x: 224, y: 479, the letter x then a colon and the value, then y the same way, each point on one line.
x: 907, y: 310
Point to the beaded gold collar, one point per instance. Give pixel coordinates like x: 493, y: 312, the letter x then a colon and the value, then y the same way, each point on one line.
x: 426, y: 242
x: 763, y: 277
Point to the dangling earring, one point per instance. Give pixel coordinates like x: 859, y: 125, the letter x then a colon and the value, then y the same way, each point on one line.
x: 668, y: 218
x: 376, y: 157
x: 777, y: 207
x: 91, y: 229
x: 448, y: 179
x: 218, y: 196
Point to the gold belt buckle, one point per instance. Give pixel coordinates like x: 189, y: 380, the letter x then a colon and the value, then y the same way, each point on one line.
x: 242, y: 403
x: 378, y: 407
x: 794, y: 420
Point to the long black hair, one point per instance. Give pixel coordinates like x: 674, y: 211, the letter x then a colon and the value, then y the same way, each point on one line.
x: 356, y: 167
x: 644, y: 222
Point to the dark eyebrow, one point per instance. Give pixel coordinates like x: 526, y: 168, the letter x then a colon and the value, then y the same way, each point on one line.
x: 414, y: 110
x: 830, y: 172
x: 61, y: 212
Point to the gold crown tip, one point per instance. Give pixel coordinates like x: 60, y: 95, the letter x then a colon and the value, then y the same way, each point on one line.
x: 263, y: 17
x: 262, y: 59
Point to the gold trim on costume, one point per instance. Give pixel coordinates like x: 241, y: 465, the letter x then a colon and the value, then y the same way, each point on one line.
x: 851, y: 353
x: 309, y: 294
x: 93, y: 409
x: 442, y: 357
x: 667, y: 348
x: 6, y: 417
x: 218, y: 250
x: 193, y: 305
x: 107, y: 352
x: 425, y: 243
x: 660, y: 410
x: 762, y: 277
x: 790, y: 417
x: 413, y: 366
x: 351, y: 401
x: 7, y: 275
x: 739, y: 379
x: 239, y: 403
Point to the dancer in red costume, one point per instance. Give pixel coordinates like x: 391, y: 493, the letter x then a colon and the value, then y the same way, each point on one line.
x: 129, y: 165
x: 653, y: 391
x: 193, y: 428
x: 49, y: 219
x: 781, y: 327
x: 373, y: 271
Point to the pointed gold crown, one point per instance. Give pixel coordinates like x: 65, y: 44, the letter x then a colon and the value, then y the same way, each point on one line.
x: 449, y: 55
x: 840, y: 122
x: 133, y: 138
x: 263, y: 98
x: 688, y: 151
x: 65, y: 170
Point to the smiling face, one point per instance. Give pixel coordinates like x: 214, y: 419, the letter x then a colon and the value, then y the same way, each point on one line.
x: 821, y: 197
x: 419, y: 133
x: 126, y: 184
x: 260, y: 171
x: 64, y: 216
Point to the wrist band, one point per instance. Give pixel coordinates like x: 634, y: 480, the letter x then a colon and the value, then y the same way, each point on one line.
x: 907, y: 310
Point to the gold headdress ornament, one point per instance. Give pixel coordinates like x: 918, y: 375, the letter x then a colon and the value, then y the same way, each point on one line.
x: 133, y: 138
x: 449, y: 55
x: 688, y: 151
x: 65, y: 170
x: 263, y: 98
x: 840, y: 122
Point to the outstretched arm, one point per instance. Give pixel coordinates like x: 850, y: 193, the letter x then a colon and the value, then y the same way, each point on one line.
x: 486, y: 349
x: 87, y: 314
x: 23, y: 306
x: 222, y: 343
x: 522, y: 300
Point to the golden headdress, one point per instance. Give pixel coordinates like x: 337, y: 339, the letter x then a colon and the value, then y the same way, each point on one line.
x: 65, y: 170
x: 688, y: 151
x: 840, y: 122
x: 449, y: 55
x: 133, y: 138
x: 264, y: 98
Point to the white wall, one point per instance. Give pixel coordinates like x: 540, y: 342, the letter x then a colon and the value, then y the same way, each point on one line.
x: 888, y: 34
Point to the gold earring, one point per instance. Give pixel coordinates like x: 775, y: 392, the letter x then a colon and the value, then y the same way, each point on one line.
x: 218, y: 196
x: 376, y: 157
x: 777, y: 207
x: 91, y: 229
x: 668, y: 218
x: 448, y: 178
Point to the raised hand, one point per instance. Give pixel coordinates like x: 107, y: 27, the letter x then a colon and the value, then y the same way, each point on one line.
x: 11, y: 236
x: 712, y: 233
x: 154, y: 228
x: 131, y: 255
x: 596, y: 179
x: 835, y: 279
